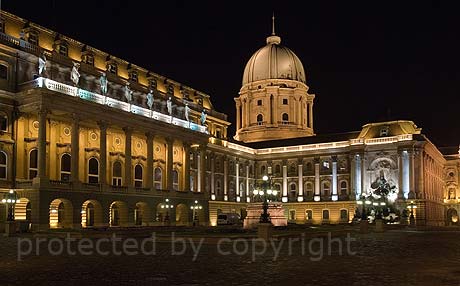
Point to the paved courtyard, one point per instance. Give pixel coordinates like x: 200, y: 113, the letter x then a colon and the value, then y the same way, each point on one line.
x: 396, y: 257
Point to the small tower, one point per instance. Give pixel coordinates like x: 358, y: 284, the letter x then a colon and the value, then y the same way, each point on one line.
x: 273, y: 101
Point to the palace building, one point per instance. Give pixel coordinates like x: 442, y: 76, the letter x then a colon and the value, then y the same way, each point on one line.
x: 91, y: 140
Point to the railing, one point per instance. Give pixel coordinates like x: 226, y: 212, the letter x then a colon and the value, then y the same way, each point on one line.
x: 60, y: 183
x: 114, y: 103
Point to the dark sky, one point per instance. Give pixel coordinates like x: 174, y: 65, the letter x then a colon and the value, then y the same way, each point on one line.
x: 365, y: 60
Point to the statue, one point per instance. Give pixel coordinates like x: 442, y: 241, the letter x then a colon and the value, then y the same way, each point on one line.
x: 169, y: 105
x: 41, y: 64
x: 103, y: 81
x: 128, y: 93
x: 382, y: 187
x: 203, y: 117
x: 150, y: 99
x: 187, y: 112
x: 75, y: 75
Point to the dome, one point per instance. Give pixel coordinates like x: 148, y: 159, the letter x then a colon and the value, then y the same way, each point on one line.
x: 273, y: 61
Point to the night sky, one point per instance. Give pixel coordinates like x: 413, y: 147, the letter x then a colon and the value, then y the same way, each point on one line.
x: 365, y: 61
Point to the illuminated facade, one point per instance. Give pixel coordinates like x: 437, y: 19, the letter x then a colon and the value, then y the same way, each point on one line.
x: 146, y: 156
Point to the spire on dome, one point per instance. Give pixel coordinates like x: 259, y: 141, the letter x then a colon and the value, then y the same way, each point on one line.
x: 273, y: 38
x: 273, y: 24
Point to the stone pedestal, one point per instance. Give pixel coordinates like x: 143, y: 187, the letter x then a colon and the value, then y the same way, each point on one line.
x: 363, y: 226
x: 265, y: 231
x: 254, y: 210
x: 379, y: 226
x: 10, y: 228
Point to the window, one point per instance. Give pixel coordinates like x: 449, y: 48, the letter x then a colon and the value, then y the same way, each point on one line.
x: 218, y: 133
x: 260, y: 119
x: 451, y: 194
x: 33, y: 163
x: 88, y: 59
x: 93, y: 171
x: 3, y: 122
x: 32, y: 37
x: 285, y: 101
x: 62, y: 48
x: 291, y: 214
x: 133, y: 75
x: 309, y: 190
x: 285, y: 118
x: 326, y: 189
x: 325, y: 214
x: 309, y: 167
x: 292, y: 169
x: 158, y: 178
x: 112, y: 68
x: 259, y: 102
x: 153, y: 84
x: 3, y: 71
x: 293, y: 188
x: 116, y: 174
x: 277, y: 169
x: 218, y: 188
x: 138, y: 176
x: 344, y: 215
x: 308, y: 214
x: 2, y: 25
x: 175, y: 179
x: 262, y: 170
x: 343, y: 188
x: 3, y: 165
x: 65, y: 167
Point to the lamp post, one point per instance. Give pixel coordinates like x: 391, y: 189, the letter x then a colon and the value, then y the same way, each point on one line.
x: 363, y: 226
x: 194, y: 208
x: 10, y: 199
x: 166, y: 205
x: 412, y: 206
x: 265, y: 193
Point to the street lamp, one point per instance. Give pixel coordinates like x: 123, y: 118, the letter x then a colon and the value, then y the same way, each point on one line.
x: 166, y: 205
x: 265, y: 193
x: 10, y: 199
x: 412, y: 206
x: 194, y: 208
x: 363, y: 201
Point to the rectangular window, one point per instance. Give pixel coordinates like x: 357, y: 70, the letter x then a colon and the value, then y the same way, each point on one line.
x: 88, y: 59
x: 285, y: 101
x: 259, y: 102
x: 63, y: 50
x: 3, y: 72
x: 33, y: 38
x: 116, y: 181
x: 112, y: 68
x: 3, y: 122
x: 133, y: 76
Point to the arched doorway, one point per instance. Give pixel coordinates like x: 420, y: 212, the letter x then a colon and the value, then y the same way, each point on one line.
x: 452, y: 217
x: 23, y: 214
x: 61, y: 214
x: 142, y: 215
x: 118, y: 214
x: 182, y: 214
x: 91, y: 214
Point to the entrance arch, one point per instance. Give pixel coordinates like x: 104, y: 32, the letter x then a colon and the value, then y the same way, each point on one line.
x: 142, y: 214
x: 182, y: 214
x: 91, y: 214
x: 452, y: 217
x: 61, y: 214
x: 23, y: 210
x: 118, y: 214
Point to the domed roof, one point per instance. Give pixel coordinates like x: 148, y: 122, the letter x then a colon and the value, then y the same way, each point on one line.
x: 273, y: 61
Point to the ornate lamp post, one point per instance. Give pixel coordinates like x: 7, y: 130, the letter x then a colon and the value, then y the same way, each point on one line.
x: 10, y: 199
x: 265, y: 194
x: 166, y: 205
x: 194, y: 208
x: 412, y: 206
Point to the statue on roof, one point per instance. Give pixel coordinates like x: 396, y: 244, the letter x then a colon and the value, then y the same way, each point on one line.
x: 75, y: 75
x: 150, y: 99
x: 103, y: 82
x: 187, y: 112
x: 169, y: 105
x: 128, y: 93
x: 203, y: 117
x: 41, y: 64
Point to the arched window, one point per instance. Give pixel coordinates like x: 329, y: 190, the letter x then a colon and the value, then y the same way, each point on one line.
x: 343, y: 215
x: 3, y: 122
x: 175, y: 179
x: 309, y: 190
x: 116, y: 174
x: 292, y: 191
x: 292, y: 169
x: 343, y: 188
x: 285, y: 118
x: 291, y: 214
x: 158, y: 178
x: 33, y: 163
x: 326, y: 189
x: 138, y: 176
x: 325, y: 214
x: 61, y: 211
x: 3, y: 165
x: 93, y: 171
x: 260, y: 119
x: 262, y: 170
x: 65, y: 167
x: 309, y: 167
x: 308, y: 215
x: 277, y: 169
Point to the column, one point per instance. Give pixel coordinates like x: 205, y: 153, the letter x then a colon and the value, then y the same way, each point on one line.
x: 311, y: 115
x: 363, y: 178
x: 412, y: 175
x: 300, y: 170
x: 186, y: 166
x: 169, y: 163
x: 317, y: 196
x: 358, y: 175
x: 75, y: 149
x: 248, y: 114
x: 201, y: 167
x: 213, y: 190
x: 149, y: 140
x: 354, y: 192
x: 404, y: 174
x: 237, y: 185
x: 335, y: 196
x: 103, y: 153
x: 238, y: 115
x: 42, y: 144
x: 420, y: 190
x: 247, y: 183
x: 243, y: 114
x: 225, y: 179
x: 128, y: 165
x: 285, y: 187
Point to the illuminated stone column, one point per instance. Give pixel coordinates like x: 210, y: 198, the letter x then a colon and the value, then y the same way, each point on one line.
x: 335, y: 196
x: 247, y: 183
x: 311, y: 114
x: 237, y: 166
x: 149, y: 140
x: 405, y: 174
x: 238, y: 114
x: 75, y: 149
x: 285, y: 187
x: 213, y: 190
x: 300, y: 172
x: 317, y: 196
x: 186, y: 146
x: 225, y: 179
x: 201, y: 167
x: 358, y: 176
x: 411, y: 194
x: 103, y: 153
x: 128, y: 157
x: 42, y: 143
x: 169, y: 163
x: 352, y: 177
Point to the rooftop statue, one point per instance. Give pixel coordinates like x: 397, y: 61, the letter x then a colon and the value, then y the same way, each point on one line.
x: 187, y: 112
x: 128, y: 93
x: 169, y: 105
x: 103, y: 82
x: 203, y: 117
x: 75, y: 75
x: 41, y: 64
x: 150, y: 99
